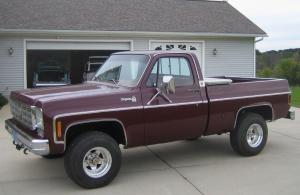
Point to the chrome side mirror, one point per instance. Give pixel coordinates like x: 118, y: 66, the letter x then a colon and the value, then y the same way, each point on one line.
x: 169, y: 84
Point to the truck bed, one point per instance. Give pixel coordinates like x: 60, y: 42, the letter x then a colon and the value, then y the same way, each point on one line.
x: 227, y: 98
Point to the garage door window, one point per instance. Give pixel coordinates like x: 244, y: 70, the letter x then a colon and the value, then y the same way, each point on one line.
x: 179, y: 68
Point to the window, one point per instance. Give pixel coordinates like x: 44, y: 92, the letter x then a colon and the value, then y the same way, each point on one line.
x: 124, y: 69
x: 178, y: 67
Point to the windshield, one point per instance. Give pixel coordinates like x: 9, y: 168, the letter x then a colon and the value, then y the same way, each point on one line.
x: 122, y: 69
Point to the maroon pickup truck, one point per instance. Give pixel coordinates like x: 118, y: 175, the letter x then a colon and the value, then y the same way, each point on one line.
x: 142, y: 98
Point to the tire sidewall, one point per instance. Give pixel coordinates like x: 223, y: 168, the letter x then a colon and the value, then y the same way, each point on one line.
x: 246, y: 122
x: 76, y: 155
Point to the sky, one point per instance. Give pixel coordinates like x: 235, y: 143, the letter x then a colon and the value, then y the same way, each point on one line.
x: 280, y: 19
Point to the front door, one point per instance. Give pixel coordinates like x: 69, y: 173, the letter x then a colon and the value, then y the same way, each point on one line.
x: 177, y: 116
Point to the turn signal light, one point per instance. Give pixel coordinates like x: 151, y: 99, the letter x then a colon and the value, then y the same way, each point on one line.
x: 58, y: 129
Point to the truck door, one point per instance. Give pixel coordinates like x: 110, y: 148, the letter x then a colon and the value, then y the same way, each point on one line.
x: 181, y: 115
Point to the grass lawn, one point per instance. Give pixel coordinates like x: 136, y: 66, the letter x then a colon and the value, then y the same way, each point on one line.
x: 296, y: 96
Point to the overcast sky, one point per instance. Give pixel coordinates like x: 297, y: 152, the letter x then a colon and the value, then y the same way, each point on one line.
x: 279, y: 18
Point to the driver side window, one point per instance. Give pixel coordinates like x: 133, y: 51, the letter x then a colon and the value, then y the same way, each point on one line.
x: 178, y: 67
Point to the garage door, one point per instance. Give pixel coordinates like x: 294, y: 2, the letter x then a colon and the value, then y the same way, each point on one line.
x: 77, y: 45
x: 195, y: 47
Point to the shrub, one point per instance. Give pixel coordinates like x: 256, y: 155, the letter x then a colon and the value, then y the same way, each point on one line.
x: 290, y: 70
x: 3, y: 101
x: 266, y: 73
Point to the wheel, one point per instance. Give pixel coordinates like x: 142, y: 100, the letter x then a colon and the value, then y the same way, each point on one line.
x: 250, y: 136
x: 53, y: 156
x: 93, y: 160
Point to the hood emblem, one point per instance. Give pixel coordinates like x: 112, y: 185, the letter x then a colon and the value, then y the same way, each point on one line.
x: 132, y: 99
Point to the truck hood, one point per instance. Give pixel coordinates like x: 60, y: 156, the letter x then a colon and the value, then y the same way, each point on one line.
x: 72, y: 98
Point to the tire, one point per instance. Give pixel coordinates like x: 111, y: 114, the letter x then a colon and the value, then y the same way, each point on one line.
x: 82, y: 152
x: 250, y: 136
x: 53, y: 156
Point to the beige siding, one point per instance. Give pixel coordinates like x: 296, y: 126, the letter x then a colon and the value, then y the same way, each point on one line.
x: 11, y: 67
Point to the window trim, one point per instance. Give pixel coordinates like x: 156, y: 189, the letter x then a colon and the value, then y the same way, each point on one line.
x: 157, y: 61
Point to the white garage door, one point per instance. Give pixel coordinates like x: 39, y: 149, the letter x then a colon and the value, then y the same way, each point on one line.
x: 195, y: 47
x: 77, y: 45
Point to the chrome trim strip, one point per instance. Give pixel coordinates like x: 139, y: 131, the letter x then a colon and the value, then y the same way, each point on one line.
x: 174, y: 104
x: 87, y: 112
x: 261, y: 80
x: 250, y: 96
x: 252, y: 106
x: 36, y: 146
x: 94, y: 121
x: 50, y: 84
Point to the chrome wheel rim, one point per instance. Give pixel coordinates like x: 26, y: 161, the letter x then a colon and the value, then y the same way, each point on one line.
x: 254, y: 135
x: 97, y: 162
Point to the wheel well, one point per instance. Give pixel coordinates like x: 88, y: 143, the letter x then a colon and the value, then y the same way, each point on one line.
x: 265, y: 111
x: 112, y: 128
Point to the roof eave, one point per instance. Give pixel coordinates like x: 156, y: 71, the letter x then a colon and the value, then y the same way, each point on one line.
x: 123, y: 33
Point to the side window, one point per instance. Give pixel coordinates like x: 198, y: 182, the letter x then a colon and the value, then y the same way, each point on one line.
x: 185, y: 67
x: 178, y: 67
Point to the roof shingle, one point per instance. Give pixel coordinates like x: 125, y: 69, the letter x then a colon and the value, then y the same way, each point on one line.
x: 126, y: 15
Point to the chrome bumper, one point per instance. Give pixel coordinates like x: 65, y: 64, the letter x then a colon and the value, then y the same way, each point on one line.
x: 23, y: 140
x: 291, y: 115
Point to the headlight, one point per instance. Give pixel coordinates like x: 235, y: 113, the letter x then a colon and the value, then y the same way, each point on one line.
x: 37, y: 120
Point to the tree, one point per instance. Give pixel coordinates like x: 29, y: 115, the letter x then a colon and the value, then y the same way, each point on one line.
x: 266, y: 73
x: 288, y: 69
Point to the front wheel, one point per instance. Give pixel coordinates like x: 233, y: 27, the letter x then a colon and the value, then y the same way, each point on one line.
x: 250, y: 136
x: 93, y: 160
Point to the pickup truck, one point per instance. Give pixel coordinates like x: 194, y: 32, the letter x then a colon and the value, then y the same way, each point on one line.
x: 142, y: 98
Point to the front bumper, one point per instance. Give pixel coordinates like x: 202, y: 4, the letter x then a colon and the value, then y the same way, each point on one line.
x: 291, y: 115
x: 23, y: 140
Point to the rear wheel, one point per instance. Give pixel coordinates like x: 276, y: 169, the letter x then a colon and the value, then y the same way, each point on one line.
x: 250, y: 136
x: 93, y: 160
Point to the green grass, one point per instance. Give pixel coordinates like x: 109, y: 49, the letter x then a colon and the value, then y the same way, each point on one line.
x: 296, y: 96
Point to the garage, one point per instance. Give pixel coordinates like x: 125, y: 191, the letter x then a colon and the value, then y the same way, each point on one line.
x: 63, y: 62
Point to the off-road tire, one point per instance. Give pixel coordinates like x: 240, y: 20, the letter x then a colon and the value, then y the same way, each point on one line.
x: 238, y: 137
x: 76, y: 152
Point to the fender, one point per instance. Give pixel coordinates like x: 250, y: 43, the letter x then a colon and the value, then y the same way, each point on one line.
x: 86, y: 122
x: 253, y: 106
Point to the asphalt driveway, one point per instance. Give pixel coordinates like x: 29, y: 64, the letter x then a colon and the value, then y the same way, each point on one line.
x: 204, y: 166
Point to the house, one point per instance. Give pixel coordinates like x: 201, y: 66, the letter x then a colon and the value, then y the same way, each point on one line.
x: 71, y: 31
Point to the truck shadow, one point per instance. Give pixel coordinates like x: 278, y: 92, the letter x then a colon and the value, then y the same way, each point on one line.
x: 201, y: 152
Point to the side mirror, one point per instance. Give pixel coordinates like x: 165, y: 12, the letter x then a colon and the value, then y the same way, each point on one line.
x: 169, y: 84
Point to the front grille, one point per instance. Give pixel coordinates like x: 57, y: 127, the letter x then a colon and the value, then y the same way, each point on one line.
x: 21, y: 112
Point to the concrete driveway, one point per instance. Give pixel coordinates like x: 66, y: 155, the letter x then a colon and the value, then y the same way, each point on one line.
x: 204, y: 166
